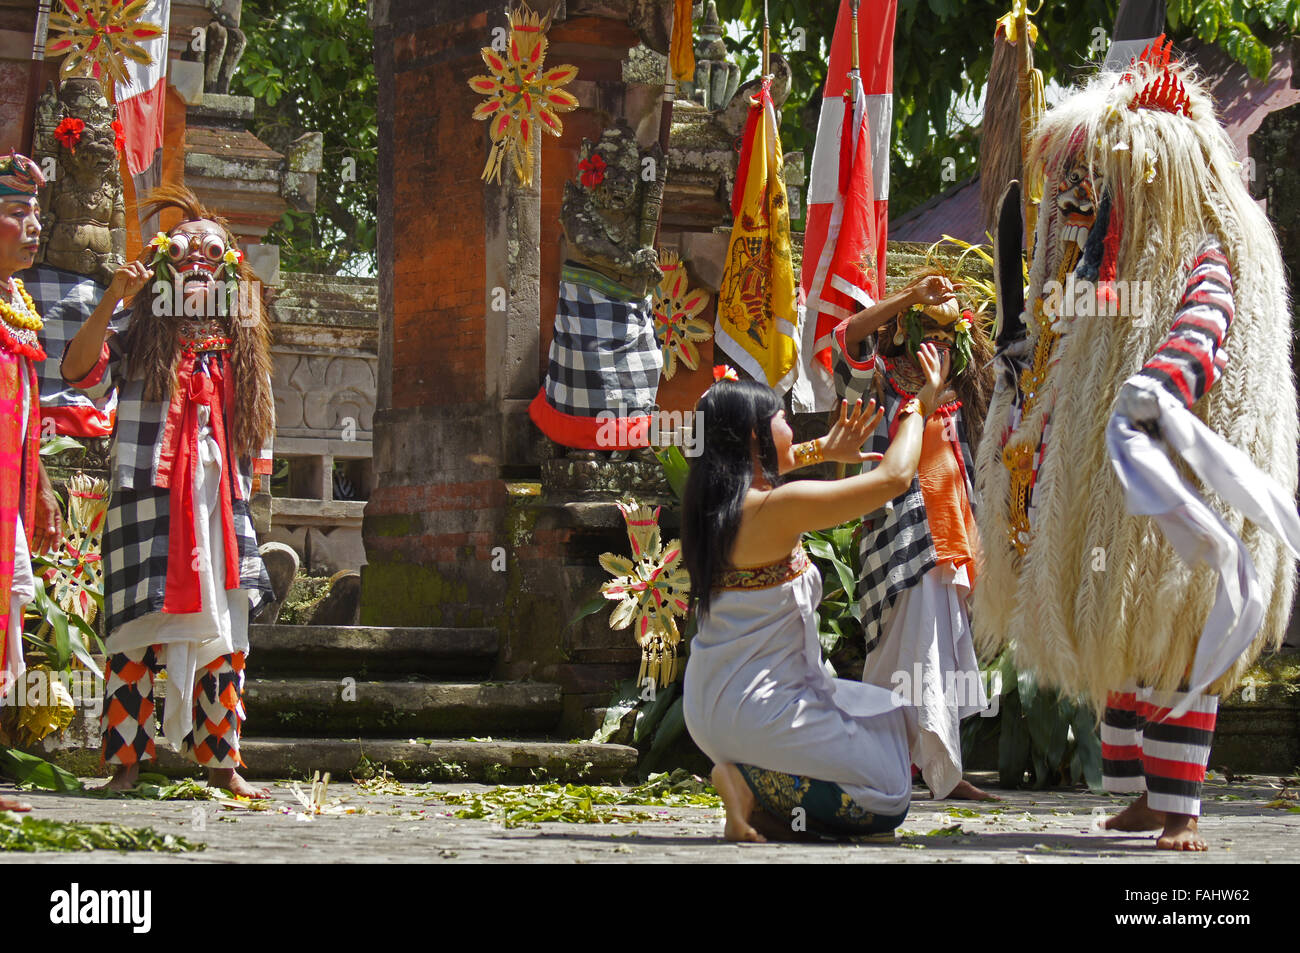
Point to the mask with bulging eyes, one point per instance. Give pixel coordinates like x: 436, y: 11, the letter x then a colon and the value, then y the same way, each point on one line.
x: 1076, y: 202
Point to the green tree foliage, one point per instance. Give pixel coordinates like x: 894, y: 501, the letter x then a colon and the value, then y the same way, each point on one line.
x: 309, y: 65
x: 942, y: 52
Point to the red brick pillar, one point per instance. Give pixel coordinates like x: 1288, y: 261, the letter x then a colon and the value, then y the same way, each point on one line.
x: 468, y: 278
x: 436, y: 511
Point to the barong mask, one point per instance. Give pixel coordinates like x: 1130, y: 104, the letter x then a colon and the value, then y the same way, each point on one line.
x: 948, y: 326
x: 1076, y: 201
x: 203, y: 259
x: 221, y: 309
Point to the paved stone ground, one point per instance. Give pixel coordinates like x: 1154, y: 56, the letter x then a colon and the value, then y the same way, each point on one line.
x: 1027, y: 827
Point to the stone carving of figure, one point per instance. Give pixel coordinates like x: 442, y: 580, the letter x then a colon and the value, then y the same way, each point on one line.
x: 85, y: 218
x: 223, y: 46
x: 609, y: 220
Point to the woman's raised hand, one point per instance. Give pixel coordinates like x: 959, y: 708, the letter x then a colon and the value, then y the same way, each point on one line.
x: 936, y: 391
x: 844, y: 442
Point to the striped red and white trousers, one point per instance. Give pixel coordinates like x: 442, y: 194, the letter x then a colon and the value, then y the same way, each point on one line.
x: 1144, y: 750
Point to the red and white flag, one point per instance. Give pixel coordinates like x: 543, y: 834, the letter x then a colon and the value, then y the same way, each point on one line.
x: 140, y: 100
x: 848, y: 194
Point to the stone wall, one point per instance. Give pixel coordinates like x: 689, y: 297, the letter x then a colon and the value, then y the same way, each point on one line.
x: 325, y: 367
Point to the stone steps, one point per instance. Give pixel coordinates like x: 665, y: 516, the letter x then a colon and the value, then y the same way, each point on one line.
x: 347, y: 707
x: 348, y: 699
x: 361, y: 651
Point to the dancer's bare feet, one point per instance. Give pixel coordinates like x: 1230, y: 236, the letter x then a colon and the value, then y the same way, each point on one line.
x: 965, y: 791
x: 739, y: 801
x: 232, y: 781
x: 1180, y: 833
x: 125, y: 777
x: 13, y: 804
x: 1137, y: 817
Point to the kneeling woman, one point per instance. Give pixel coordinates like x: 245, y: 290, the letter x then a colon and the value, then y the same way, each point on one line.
x: 794, y: 748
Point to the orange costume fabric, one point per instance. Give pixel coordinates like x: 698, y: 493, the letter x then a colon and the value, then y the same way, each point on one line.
x: 947, y: 505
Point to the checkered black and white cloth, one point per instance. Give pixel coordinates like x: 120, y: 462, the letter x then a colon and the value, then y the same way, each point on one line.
x: 139, y: 513
x: 895, y: 545
x: 64, y: 300
x: 604, y: 355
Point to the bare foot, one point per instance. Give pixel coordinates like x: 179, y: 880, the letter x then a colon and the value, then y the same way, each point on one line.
x: 739, y: 801
x: 1180, y: 833
x: 232, y: 781
x: 965, y: 791
x: 1136, y: 817
x: 13, y: 804
x: 125, y: 777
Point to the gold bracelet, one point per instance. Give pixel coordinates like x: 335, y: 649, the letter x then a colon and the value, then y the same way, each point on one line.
x: 808, y: 453
x: 914, y: 406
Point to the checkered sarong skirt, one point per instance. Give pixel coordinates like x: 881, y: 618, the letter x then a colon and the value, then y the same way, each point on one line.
x: 604, y: 365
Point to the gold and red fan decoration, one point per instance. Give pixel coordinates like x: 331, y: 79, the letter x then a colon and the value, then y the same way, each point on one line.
x: 97, y: 37
x: 677, y: 323
x: 652, y: 589
x: 522, y: 95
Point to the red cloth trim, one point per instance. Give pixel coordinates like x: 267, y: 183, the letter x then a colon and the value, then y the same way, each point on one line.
x: 196, y: 385
x: 94, y: 375
x: 262, y: 466
x: 1200, y: 720
x: 78, y: 421
x: 1124, y: 701
x: 589, y: 433
x: 841, y: 331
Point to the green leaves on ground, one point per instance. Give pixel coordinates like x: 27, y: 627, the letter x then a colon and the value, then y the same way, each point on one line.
x: 28, y: 769
x: 31, y: 834
x: 581, y: 803
x: 157, y: 787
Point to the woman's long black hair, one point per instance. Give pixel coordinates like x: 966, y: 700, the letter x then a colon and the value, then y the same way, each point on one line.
x: 736, y: 416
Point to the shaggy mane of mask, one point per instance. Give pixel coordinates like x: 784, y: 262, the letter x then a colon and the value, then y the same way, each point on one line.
x: 153, y: 348
x: 1080, y: 629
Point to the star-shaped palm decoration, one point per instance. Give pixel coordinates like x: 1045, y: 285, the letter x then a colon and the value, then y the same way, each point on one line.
x: 677, y: 309
x: 522, y: 97
x: 652, y: 589
x: 97, y: 37
x: 76, y: 576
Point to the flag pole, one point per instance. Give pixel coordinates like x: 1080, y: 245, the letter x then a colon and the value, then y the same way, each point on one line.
x: 767, y: 40
x: 666, y: 121
x: 853, y: 9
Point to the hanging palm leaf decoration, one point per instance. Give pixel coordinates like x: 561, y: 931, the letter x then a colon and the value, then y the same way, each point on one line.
x: 677, y: 323
x: 97, y: 37
x: 652, y: 589
x: 79, y: 571
x: 522, y: 96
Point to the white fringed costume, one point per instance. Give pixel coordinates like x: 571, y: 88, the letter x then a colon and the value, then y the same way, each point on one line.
x: 1099, y: 599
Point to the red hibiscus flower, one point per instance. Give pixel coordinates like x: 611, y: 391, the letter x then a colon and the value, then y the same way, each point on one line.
x: 68, y: 132
x: 593, y: 170
x: 119, y: 140
x: 724, y: 372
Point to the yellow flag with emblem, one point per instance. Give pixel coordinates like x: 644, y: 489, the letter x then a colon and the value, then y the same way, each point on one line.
x: 757, y: 321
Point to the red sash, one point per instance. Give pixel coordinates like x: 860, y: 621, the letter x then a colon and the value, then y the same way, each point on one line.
x: 19, y: 458
x: 201, y: 382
